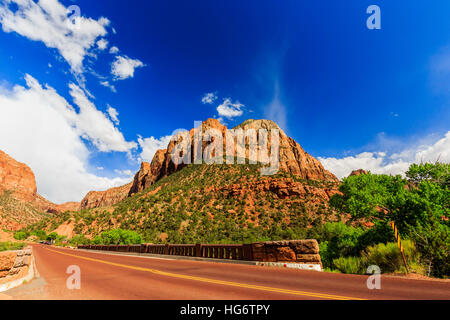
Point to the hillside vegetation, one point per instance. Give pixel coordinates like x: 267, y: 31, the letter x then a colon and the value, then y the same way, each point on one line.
x: 15, y: 214
x: 234, y: 204
x: 195, y: 205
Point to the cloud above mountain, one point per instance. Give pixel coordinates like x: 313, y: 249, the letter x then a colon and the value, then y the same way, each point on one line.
x: 390, y: 163
x: 42, y: 129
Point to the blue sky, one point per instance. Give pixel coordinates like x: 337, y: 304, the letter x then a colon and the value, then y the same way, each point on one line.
x: 351, y: 96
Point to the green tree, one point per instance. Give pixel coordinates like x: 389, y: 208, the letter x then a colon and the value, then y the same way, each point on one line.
x: 434, y: 172
x: 120, y: 236
x: 21, y: 235
x: 52, y: 236
x: 419, y: 207
x: 368, y: 196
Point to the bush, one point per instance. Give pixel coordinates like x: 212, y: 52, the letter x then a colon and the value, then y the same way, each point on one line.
x: 41, y: 234
x: 353, y: 265
x: 120, y: 236
x: 21, y: 235
x: 389, y: 258
x: 79, y: 239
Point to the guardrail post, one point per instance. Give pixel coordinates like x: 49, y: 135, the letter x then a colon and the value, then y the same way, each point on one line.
x: 166, y: 249
x: 198, y: 250
x: 248, y: 252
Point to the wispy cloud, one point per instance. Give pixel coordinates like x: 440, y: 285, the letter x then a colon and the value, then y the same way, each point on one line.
x: 209, y: 98
x: 440, y: 71
x: 276, y: 110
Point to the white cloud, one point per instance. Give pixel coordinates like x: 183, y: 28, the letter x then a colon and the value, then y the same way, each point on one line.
x: 40, y: 128
x: 47, y: 21
x: 209, y: 98
x: 396, y: 163
x: 113, y: 50
x: 124, y: 67
x: 94, y: 125
x: 106, y: 84
x: 102, y: 44
x: 127, y: 173
x: 151, y: 145
x: 230, y: 110
x: 113, y: 114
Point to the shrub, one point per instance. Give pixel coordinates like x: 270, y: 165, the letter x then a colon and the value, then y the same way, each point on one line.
x: 353, y: 265
x: 389, y: 258
x: 41, y: 234
x: 21, y: 235
x: 79, y: 239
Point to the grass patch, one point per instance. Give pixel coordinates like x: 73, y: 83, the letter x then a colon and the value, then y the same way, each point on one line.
x: 7, y: 246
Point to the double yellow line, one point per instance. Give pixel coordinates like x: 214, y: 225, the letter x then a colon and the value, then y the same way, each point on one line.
x: 214, y: 281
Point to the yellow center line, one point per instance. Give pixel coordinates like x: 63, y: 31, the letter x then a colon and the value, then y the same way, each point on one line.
x: 221, y: 282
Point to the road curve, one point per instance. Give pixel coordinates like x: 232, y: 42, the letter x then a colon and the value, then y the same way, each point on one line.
x: 110, y: 277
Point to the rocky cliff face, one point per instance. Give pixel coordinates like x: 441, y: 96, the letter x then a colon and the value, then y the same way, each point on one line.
x: 20, y: 204
x: 17, y: 177
x: 97, y: 199
x: 292, y: 159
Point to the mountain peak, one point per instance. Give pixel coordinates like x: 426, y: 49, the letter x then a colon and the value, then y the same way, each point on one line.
x: 258, y: 124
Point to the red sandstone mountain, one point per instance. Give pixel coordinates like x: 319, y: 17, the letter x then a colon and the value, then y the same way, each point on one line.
x: 293, y: 159
x: 97, y: 199
x: 358, y: 172
x: 20, y: 204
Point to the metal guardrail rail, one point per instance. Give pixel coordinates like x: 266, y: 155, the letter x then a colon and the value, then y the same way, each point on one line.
x: 215, y: 251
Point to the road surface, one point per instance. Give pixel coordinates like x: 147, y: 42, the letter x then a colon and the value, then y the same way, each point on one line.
x: 108, y: 276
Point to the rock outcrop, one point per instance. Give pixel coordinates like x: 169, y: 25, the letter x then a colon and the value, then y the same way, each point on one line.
x: 97, y: 199
x: 21, y: 203
x: 18, y: 178
x: 358, y: 172
x: 283, y: 188
x: 149, y: 173
x: 292, y: 159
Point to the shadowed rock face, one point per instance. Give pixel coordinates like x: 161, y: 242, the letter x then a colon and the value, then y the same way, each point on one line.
x: 293, y: 159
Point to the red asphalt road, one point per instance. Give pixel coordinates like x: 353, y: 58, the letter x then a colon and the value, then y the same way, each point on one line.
x: 111, y: 277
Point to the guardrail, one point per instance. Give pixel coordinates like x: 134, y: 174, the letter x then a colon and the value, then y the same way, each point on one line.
x: 295, y: 251
x: 215, y: 251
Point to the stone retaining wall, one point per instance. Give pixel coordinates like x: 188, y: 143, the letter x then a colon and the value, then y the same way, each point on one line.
x: 294, y: 251
x: 15, y: 265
